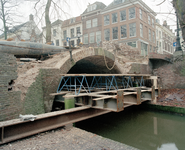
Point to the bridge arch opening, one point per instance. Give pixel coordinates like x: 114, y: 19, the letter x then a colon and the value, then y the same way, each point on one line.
x: 94, y: 65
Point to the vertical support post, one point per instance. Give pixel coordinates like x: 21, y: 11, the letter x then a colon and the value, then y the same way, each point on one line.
x: 138, y: 96
x: 154, y: 100
x: 1, y: 134
x: 120, y: 101
x: 69, y: 103
x: 159, y: 90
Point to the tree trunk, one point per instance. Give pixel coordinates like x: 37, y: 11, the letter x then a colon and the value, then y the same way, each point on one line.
x: 4, y: 20
x: 180, y: 9
x: 48, y: 23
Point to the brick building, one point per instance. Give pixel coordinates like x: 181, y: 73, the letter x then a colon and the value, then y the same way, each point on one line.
x: 165, y: 38
x: 131, y: 22
x: 92, y: 24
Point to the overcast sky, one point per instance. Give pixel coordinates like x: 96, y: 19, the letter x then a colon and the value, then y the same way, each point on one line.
x: 76, y: 7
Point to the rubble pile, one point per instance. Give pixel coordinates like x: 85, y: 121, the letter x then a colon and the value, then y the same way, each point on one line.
x: 172, y: 97
x: 28, y: 71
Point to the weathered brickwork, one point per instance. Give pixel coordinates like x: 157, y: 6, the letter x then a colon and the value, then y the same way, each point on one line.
x: 10, y: 101
x: 33, y: 102
x: 140, y: 69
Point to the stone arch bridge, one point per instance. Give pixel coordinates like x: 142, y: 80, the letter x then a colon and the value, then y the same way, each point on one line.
x: 29, y: 91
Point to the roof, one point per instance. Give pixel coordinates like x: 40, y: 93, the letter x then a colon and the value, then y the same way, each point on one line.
x: 15, y: 28
x: 119, y: 3
x: 72, y: 21
x: 57, y: 22
x: 100, y: 6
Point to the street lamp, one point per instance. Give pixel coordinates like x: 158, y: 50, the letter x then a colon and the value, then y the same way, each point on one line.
x: 178, y: 45
x: 78, y: 40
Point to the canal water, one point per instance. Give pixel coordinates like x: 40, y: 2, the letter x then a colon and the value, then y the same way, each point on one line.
x: 140, y: 128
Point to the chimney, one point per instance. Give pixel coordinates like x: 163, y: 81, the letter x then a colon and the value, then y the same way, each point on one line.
x: 165, y: 23
x: 31, y: 17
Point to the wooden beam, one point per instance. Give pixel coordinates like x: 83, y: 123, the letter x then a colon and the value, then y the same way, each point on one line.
x: 105, y: 97
x: 105, y: 75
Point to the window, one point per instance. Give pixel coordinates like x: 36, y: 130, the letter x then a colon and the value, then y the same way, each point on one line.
x: 114, y: 18
x: 140, y: 14
x: 54, y: 32
x: 124, y: 31
x: 149, y: 20
x: 150, y: 38
x: 107, y: 34
x: 153, y: 37
x: 123, y: 15
x: 86, y: 39
x: 72, y: 33
x: 133, y: 44
x: 95, y: 22
x: 144, y: 49
x: 150, y: 48
x: 132, y: 13
x: 152, y: 22
x: 65, y: 34
x: 72, y: 43
x: 106, y: 20
x: 132, y: 30
x: 77, y: 30
x: 57, y: 42
x: 141, y: 30
x: 156, y: 33
x: 154, y: 49
x: 91, y: 37
x: 88, y: 24
x: 160, y: 34
x: 115, y: 33
x: 72, y: 20
x: 98, y: 36
x: 91, y: 8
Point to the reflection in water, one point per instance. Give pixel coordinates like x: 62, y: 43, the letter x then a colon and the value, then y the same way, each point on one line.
x: 143, y: 129
x: 168, y: 146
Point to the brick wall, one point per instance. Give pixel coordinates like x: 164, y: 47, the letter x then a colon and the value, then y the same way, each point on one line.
x: 10, y: 101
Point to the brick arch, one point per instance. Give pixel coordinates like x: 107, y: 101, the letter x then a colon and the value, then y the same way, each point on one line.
x: 66, y: 64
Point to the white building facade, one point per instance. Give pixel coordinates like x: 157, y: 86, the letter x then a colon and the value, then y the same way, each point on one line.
x: 56, y: 32
x: 165, y: 38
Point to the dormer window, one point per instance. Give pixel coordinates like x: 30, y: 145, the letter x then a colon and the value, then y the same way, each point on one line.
x: 91, y: 7
x: 72, y: 20
x: 118, y: 1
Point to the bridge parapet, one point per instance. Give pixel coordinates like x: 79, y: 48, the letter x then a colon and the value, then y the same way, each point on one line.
x: 167, y: 57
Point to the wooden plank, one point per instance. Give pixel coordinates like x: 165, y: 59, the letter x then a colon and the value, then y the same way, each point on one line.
x: 105, y: 97
x: 104, y: 75
x: 61, y: 93
x: 129, y: 93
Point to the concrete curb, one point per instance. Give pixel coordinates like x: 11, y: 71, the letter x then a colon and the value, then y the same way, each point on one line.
x: 172, y: 109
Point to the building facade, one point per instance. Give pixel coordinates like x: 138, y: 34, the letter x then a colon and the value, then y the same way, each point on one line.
x: 92, y: 24
x: 130, y: 22
x: 56, y: 32
x: 27, y: 31
x: 165, y: 38
x: 70, y: 29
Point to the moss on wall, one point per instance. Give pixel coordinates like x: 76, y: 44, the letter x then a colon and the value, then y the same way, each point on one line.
x: 33, y: 103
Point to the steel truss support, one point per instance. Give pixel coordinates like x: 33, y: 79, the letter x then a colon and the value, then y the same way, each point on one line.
x: 89, y: 83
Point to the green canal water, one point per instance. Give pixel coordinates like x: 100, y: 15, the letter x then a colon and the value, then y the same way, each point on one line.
x: 142, y: 129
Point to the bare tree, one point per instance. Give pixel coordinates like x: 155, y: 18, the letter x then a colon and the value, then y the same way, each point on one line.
x: 7, y: 14
x: 52, y: 8
x: 179, y: 7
